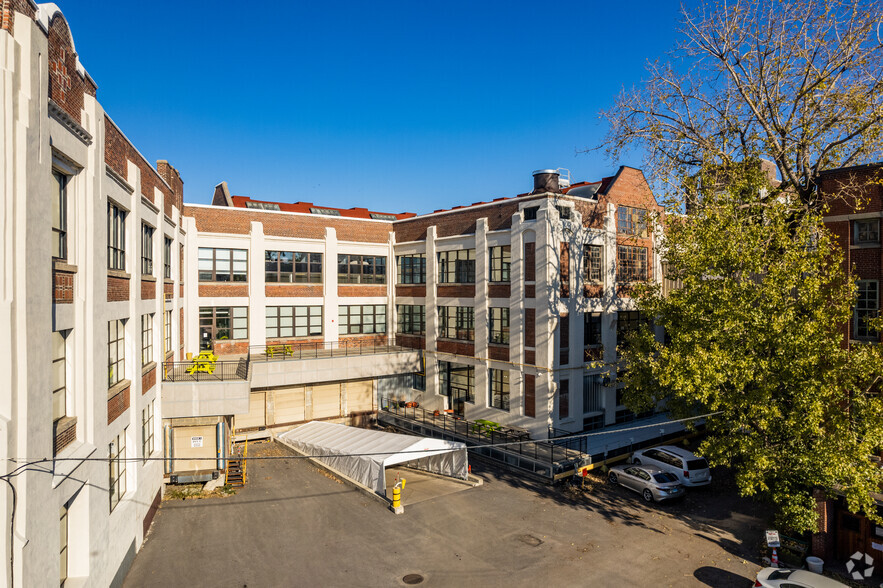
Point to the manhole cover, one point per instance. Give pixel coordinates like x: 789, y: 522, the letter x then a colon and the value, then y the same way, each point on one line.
x: 412, y: 579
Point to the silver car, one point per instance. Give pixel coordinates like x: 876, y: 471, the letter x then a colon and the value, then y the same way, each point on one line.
x: 649, y: 481
x: 784, y: 578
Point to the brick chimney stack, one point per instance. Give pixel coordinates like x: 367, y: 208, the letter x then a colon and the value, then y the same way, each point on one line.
x: 173, y: 179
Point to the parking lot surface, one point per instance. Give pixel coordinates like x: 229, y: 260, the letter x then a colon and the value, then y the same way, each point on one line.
x: 295, y: 525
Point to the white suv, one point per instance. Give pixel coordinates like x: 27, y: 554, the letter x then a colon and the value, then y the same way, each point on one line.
x: 690, y: 469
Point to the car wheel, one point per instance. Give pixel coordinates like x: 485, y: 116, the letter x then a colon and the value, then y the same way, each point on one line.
x: 636, y: 461
x: 648, y: 496
x: 612, y: 478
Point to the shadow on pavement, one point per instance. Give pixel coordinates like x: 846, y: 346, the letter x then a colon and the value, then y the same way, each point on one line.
x: 718, y: 578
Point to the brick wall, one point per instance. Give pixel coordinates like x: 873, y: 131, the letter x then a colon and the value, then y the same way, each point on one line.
x: 455, y: 347
x: 500, y: 352
x: 117, y: 404
x: 456, y: 291
x: 415, y: 291
x: 63, y: 287
x: 530, y: 262
x: 222, y: 289
x: 64, y: 433
x: 530, y: 291
x: 117, y: 151
x: 148, y: 380
x: 148, y: 289
x: 238, y: 221
x: 352, y: 290
x: 530, y: 394
x: 457, y: 222
x: 498, y: 291
x: 117, y: 289
x: 564, y: 270
x: 168, y: 289
x: 411, y: 341
x: 864, y: 184
x: 362, y: 340
x: 66, y: 85
x: 593, y: 290
x: 227, y: 347
x: 530, y: 327
x: 530, y: 357
x: 7, y: 18
x: 593, y: 213
x: 173, y: 179
x: 181, y: 291
x: 294, y: 290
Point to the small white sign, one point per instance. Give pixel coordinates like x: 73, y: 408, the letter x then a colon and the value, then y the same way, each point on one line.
x: 196, y: 442
x: 772, y: 538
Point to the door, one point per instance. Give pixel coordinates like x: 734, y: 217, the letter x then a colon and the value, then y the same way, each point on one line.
x: 360, y: 396
x: 326, y: 401
x: 257, y: 412
x: 289, y: 405
x: 194, y: 443
x: 850, y: 533
x: 458, y: 400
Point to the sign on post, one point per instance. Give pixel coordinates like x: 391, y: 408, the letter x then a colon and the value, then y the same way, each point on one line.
x: 772, y: 538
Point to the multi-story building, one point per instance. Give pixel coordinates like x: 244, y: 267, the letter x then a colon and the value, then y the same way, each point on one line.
x: 517, y: 304
x: 90, y: 243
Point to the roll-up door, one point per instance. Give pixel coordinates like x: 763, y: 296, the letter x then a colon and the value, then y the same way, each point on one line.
x: 326, y: 401
x: 360, y: 396
x: 193, y: 443
x: 289, y: 406
x: 256, y: 417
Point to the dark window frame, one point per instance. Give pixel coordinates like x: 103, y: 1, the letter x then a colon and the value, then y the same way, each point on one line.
x: 146, y: 338
x: 631, y: 221
x: 361, y: 269
x: 498, y: 389
x: 593, y: 264
x: 631, y: 263
x: 147, y: 232
x: 209, y: 316
x: 499, y: 325
x: 411, y: 319
x: 116, y: 342
x: 233, y: 257
x: 167, y: 257
x: 347, y: 314
x: 867, y: 307
x: 456, y: 266
x: 411, y: 268
x: 869, y: 234
x: 313, y: 326
x: 501, y: 264
x: 456, y: 323
x: 116, y: 237
x: 59, y: 217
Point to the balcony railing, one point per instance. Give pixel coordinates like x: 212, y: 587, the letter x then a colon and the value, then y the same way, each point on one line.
x: 323, y: 349
x: 202, y: 371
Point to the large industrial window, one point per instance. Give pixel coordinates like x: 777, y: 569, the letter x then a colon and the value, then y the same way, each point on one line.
x: 59, y: 375
x: 147, y: 250
x: 146, y: 338
x: 167, y: 331
x: 631, y: 221
x: 167, y: 258
x: 631, y: 263
x: 456, y: 322
x: 867, y: 231
x: 866, y: 308
x: 411, y: 320
x: 117, y: 459
x: 457, y: 381
x: 499, y: 388
x: 147, y: 431
x: 501, y: 262
x: 294, y: 321
x: 500, y: 326
x: 412, y: 269
x: 116, y: 237
x: 116, y: 352
x: 627, y: 321
x: 293, y: 267
x: 223, y: 265
x: 361, y: 269
x: 59, y: 216
x: 564, y: 399
x: 593, y: 399
x: 224, y: 322
x: 592, y: 263
x: 362, y: 319
x: 456, y: 267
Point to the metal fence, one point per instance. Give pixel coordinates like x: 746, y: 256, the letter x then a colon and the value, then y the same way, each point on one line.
x: 199, y: 371
x: 323, y: 349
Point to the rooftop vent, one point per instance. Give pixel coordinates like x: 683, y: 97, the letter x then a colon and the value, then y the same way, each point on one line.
x: 325, y: 211
x: 381, y: 216
x: 550, y: 180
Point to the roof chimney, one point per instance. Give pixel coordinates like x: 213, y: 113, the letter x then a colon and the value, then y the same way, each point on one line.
x: 545, y: 180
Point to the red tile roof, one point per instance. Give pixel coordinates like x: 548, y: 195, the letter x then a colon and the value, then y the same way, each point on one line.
x: 304, y: 207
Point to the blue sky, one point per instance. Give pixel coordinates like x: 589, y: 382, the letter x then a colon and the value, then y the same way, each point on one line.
x: 394, y: 106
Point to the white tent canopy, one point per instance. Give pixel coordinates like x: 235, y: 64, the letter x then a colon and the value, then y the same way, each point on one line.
x: 363, y: 454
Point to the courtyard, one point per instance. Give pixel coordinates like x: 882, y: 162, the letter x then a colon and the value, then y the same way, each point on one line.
x: 296, y: 525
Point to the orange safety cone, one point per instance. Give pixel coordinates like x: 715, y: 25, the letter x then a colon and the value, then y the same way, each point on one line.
x: 774, y: 561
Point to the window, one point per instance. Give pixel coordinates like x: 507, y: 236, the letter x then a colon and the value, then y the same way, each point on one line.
x: 223, y: 265
x: 866, y: 308
x: 147, y: 431
x: 117, y: 452
x: 500, y: 326
x: 501, y: 262
x: 293, y: 267
x: 361, y: 269
x: 412, y: 269
x: 593, y: 400
x: 419, y: 382
x: 62, y: 519
x: 456, y: 322
x: 167, y: 258
x: 631, y: 263
x: 262, y: 205
x: 499, y: 385
x: 563, y: 399
x: 59, y: 216
x: 223, y: 322
x: 116, y: 352
x: 592, y: 332
x: 627, y: 321
x: 564, y: 339
x: 364, y: 319
x: 294, y: 321
x: 563, y: 212
x: 167, y: 331
x: 146, y: 339
x: 631, y: 221
x: 59, y: 375
x: 146, y: 250
x: 457, y: 381
x: 456, y: 267
x: 411, y: 320
x: 867, y: 231
x: 382, y: 216
x: 325, y: 211
x: 116, y: 237
x: 530, y: 213
x: 593, y: 270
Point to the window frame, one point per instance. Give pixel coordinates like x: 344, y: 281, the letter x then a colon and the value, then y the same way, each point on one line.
x: 631, y: 220
x: 346, y: 325
x: 347, y: 262
x: 167, y: 257
x: 462, y: 322
x: 147, y: 232
x: 462, y: 376
x: 235, y: 276
x: 498, y: 332
x: 59, y: 388
x: 210, y: 320
x: 116, y: 236
x: 59, y: 233
x: 167, y: 330
x: 117, y: 469
x: 276, y: 313
x: 631, y: 264
x: 147, y: 431
x: 593, y: 264
x: 871, y: 233
x: 116, y: 369
x: 456, y: 266
x: 865, y: 308
x: 147, y: 338
x: 501, y: 264
x: 275, y: 271
x: 411, y: 319
x: 411, y: 268
x: 498, y: 389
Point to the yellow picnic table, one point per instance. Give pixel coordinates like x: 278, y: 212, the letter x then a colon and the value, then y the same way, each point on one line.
x: 203, y: 362
x: 273, y: 350
x: 482, y: 424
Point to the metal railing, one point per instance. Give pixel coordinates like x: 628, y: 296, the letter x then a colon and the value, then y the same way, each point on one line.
x: 539, y: 451
x: 198, y: 371
x: 322, y: 349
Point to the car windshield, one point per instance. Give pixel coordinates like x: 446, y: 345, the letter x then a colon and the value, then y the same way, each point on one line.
x: 780, y: 575
x: 665, y: 478
x: 697, y: 464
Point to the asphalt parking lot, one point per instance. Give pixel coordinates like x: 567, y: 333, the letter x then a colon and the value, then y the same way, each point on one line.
x: 295, y: 525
